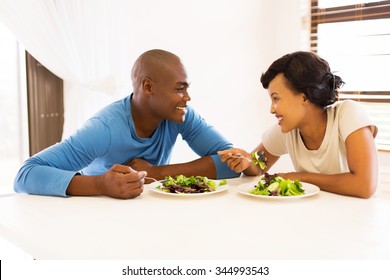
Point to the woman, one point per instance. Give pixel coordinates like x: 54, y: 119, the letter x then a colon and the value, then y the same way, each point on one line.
x: 331, y: 143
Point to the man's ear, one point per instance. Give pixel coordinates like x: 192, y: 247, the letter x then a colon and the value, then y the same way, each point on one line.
x: 147, y: 86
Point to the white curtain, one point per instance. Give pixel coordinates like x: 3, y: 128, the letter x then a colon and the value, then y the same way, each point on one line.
x: 225, y: 46
x: 84, y: 42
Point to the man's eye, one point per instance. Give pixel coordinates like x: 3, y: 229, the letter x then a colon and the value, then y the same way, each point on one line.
x: 180, y: 89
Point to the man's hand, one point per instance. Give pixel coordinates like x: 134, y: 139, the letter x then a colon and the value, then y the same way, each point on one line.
x: 119, y: 181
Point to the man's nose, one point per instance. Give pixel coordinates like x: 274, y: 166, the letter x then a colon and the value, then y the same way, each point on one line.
x: 186, y: 97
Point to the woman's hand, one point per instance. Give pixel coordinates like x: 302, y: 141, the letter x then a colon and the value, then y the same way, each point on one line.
x: 236, y: 159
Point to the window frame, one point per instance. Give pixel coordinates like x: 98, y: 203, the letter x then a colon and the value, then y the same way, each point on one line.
x: 347, y: 13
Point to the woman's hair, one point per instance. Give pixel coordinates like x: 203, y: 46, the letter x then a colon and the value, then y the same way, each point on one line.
x: 308, y: 73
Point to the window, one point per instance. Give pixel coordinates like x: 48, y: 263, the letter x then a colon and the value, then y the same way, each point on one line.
x: 13, y: 109
x: 355, y: 39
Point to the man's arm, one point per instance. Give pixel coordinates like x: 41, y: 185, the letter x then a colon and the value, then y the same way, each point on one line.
x: 50, y: 171
x: 37, y: 177
x: 203, y: 166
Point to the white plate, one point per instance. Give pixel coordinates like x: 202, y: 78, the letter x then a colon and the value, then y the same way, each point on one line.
x: 247, y: 187
x: 218, y: 189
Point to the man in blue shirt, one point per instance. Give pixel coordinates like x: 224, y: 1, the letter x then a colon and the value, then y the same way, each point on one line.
x: 114, y: 150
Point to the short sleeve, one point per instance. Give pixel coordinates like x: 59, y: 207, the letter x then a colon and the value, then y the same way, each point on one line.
x: 352, y: 116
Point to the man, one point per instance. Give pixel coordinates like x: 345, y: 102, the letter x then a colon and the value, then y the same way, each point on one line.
x: 129, y: 139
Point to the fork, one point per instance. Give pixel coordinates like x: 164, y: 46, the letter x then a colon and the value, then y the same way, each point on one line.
x: 241, y: 156
x: 150, y: 178
x: 259, y: 153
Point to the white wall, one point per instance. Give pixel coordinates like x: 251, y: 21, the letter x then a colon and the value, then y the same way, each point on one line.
x: 225, y: 46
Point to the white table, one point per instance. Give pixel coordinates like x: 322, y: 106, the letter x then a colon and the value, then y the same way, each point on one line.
x: 223, y: 226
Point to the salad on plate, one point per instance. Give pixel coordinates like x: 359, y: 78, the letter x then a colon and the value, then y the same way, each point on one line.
x: 274, y: 185
x: 189, y: 185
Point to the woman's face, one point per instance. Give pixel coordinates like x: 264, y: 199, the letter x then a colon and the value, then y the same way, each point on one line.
x: 288, y: 106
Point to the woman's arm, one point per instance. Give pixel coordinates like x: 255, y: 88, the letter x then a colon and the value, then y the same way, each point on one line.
x: 242, y: 164
x: 362, y: 159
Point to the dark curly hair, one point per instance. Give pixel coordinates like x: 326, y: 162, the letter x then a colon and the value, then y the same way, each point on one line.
x: 308, y: 73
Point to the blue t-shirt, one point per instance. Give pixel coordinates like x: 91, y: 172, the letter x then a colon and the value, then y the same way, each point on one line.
x: 109, y: 138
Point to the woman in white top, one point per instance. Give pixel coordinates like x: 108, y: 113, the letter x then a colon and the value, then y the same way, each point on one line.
x: 330, y: 142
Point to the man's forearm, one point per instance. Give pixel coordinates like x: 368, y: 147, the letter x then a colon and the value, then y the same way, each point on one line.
x: 83, y: 185
x: 200, y: 167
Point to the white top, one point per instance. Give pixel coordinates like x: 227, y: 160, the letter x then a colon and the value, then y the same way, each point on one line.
x: 344, y: 117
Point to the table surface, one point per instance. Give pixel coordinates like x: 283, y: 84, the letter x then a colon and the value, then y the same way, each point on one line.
x: 222, y: 226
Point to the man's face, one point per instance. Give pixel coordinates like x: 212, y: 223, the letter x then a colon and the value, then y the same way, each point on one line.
x: 170, y: 95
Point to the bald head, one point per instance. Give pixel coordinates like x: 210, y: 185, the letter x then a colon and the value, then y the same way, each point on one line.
x: 152, y: 64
